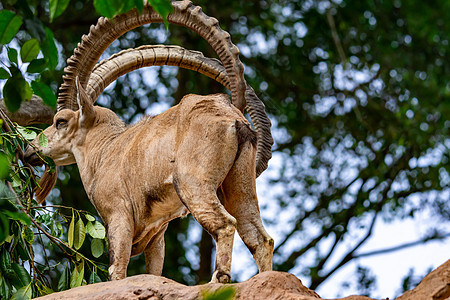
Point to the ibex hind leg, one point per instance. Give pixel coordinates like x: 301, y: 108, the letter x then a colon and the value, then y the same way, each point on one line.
x: 198, y: 174
x: 154, y: 253
x: 240, y: 200
x: 206, y: 208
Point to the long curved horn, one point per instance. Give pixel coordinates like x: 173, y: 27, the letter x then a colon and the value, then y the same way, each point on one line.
x: 106, y: 31
x: 129, y: 60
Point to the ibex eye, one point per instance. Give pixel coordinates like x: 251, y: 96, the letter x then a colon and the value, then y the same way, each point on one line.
x: 60, y: 123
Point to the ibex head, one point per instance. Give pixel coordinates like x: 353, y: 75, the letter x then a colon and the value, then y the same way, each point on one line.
x: 68, y: 132
x: 65, y: 136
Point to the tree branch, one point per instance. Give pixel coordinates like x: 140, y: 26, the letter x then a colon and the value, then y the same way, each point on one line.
x: 30, y: 112
x: 335, y: 36
x: 349, y: 256
x: 404, y: 246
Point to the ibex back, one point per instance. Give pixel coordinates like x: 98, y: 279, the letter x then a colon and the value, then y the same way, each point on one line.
x: 198, y: 157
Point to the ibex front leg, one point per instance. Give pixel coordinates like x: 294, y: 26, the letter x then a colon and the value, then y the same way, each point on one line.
x: 120, y: 235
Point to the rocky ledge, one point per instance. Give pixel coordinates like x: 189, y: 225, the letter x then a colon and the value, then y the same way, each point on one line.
x: 268, y: 285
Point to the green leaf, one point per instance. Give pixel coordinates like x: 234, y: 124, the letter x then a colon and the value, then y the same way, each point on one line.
x: 5, y: 288
x: 79, y: 234
x: 226, y: 293
x: 49, y: 49
x: 12, y: 55
x: 23, y: 293
x: 28, y: 234
x: 37, y: 65
x: 4, y: 226
x: 15, y: 91
x: 22, y: 277
x: 45, y: 92
x: 63, y: 283
x: 5, y: 264
x: 43, y: 141
x: 71, y: 230
x: 4, y: 74
x: 29, y: 50
x: 104, y: 8
x: 22, y: 250
x: 45, y: 291
x: 94, y: 278
x: 76, y: 278
x: 97, y: 247
x: 96, y: 230
x: 18, y: 216
x: 89, y: 217
x: 9, y: 26
x: 26, y: 133
x: 4, y: 166
x: 162, y: 7
x: 57, y: 7
x: 139, y: 5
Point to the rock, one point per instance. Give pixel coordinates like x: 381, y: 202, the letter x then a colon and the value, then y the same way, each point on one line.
x: 267, y: 285
x: 435, y: 286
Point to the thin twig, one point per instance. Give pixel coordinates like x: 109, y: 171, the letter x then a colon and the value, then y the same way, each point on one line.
x: 335, y: 36
x: 30, y: 248
x: 403, y: 246
x: 56, y: 240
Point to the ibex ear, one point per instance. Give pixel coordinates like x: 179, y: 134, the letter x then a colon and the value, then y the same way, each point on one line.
x: 87, y: 111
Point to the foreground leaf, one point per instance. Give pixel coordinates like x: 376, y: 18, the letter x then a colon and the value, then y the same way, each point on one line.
x: 89, y: 217
x: 22, y: 277
x: 45, y: 291
x: 4, y: 166
x: 63, y: 283
x: 97, y: 247
x: 57, y: 7
x: 96, y: 230
x: 45, y: 92
x: 162, y: 7
x: 4, y: 74
x: 26, y: 133
x: 37, y: 65
x: 12, y: 55
x: 43, y: 141
x: 49, y: 49
x: 29, y: 50
x: 94, y: 278
x: 104, y: 8
x: 5, y: 288
x: 79, y: 234
x: 77, y: 275
x: 71, y: 230
x: 9, y: 26
x: 24, y: 292
x: 28, y: 235
x: 15, y: 91
x: 5, y: 264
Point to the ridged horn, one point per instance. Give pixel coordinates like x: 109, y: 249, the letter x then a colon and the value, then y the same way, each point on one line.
x: 106, y: 31
x: 129, y: 60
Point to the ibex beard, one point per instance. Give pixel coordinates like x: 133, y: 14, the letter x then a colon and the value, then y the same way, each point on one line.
x: 197, y: 157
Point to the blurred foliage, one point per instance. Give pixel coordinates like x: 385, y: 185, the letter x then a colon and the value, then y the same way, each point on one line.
x: 43, y: 248
x: 358, y: 92
x: 33, y: 245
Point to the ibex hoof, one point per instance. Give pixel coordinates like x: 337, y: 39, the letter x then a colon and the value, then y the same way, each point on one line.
x: 220, y: 277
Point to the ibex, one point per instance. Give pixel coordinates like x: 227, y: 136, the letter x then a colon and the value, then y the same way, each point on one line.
x: 200, y: 156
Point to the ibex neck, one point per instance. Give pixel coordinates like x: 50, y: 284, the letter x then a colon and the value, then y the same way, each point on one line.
x: 95, y: 152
